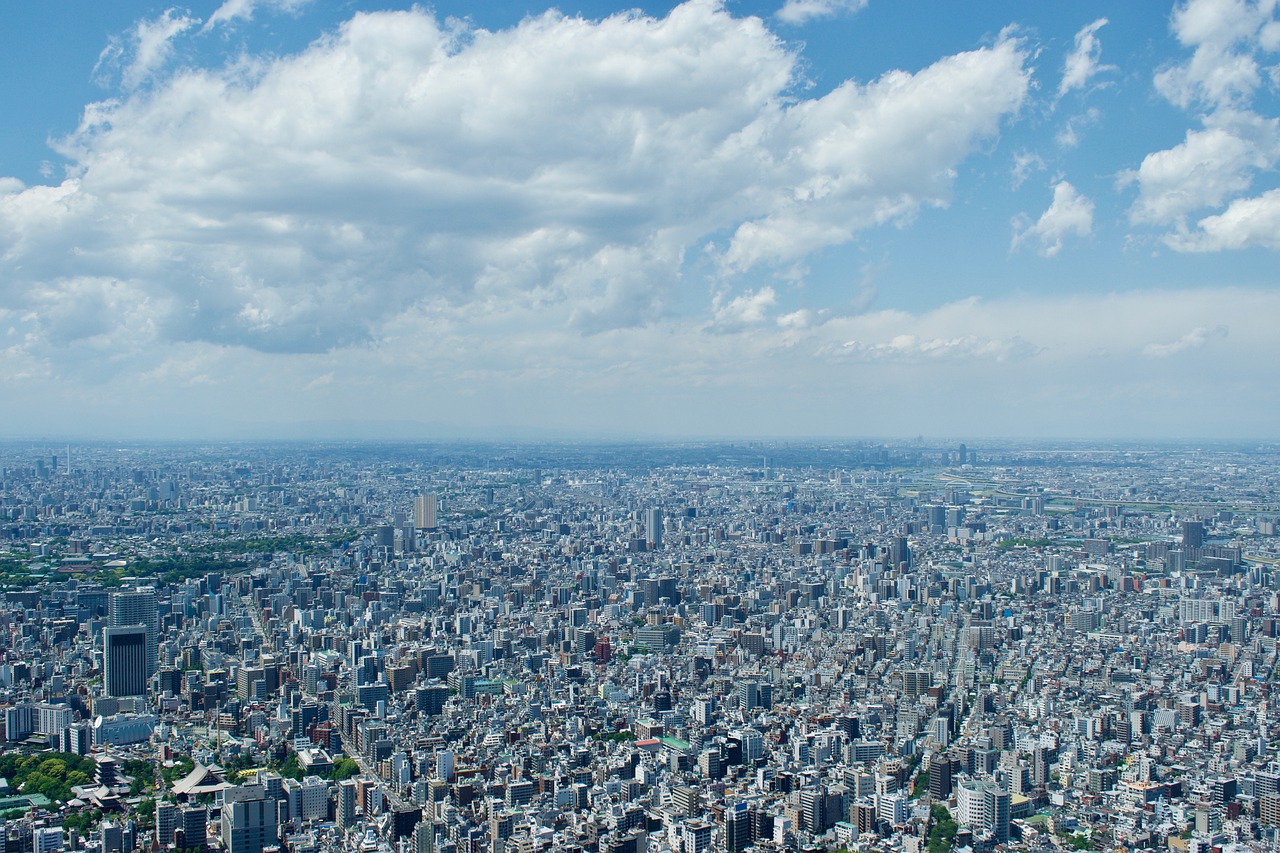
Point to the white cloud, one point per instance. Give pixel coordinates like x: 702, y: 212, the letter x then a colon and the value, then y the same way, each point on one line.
x: 1192, y: 340
x: 147, y: 48
x: 1069, y: 213
x: 1062, y: 363
x: 1247, y: 222
x: 322, y: 381
x: 910, y: 348
x: 1226, y: 36
x: 748, y: 309
x: 1214, y: 166
x: 1024, y: 163
x: 231, y: 10
x: 1205, y: 170
x: 406, y: 222
x: 243, y: 10
x: 802, y: 318
x: 1084, y: 61
x: 874, y: 154
x: 803, y: 11
x: 561, y: 169
x: 1069, y: 135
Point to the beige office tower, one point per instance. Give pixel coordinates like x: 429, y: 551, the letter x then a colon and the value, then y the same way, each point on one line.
x: 424, y: 511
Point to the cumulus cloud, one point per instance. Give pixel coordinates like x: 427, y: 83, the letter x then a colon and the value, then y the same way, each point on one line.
x: 1070, y: 134
x: 873, y: 154
x: 1205, y: 170
x: 405, y: 219
x: 558, y: 171
x: 1194, y: 339
x: 803, y: 11
x: 1247, y: 222
x: 1216, y: 164
x: 1226, y: 36
x: 1085, y: 59
x: 1069, y: 213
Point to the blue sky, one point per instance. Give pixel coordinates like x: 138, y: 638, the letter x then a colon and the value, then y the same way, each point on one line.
x: 807, y: 217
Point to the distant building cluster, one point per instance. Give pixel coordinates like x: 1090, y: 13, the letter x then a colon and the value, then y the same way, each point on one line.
x: 627, y: 649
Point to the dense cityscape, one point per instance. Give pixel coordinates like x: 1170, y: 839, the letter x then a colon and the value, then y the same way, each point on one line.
x: 411, y: 424
x: 639, y: 649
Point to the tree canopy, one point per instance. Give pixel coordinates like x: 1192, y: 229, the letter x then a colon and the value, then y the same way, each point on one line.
x: 52, y: 774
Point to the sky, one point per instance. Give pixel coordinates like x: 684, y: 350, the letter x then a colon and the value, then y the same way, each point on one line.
x: 799, y: 218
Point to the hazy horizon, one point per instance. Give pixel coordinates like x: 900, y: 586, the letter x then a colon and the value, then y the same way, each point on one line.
x: 55, y: 442
x: 288, y: 219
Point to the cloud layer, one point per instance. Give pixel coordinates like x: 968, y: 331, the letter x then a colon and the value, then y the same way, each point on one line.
x: 1166, y: 363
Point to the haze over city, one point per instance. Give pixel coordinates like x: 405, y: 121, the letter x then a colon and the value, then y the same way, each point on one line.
x: 725, y: 426
x: 811, y: 217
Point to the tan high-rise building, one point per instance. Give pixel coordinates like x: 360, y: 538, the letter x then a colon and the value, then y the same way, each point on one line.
x: 424, y: 511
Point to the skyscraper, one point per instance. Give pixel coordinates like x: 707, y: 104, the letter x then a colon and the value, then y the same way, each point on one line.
x: 653, y: 528
x: 47, y: 839
x: 445, y: 765
x: 1192, y: 534
x: 137, y: 607
x: 124, y: 660
x: 916, y: 683
x: 899, y: 553
x: 813, y: 809
x: 424, y: 511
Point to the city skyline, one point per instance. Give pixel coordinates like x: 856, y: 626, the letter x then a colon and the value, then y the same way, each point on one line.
x: 790, y: 219
x: 625, y: 649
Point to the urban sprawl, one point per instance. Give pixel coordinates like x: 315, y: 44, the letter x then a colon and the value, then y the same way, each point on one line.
x: 767, y: 646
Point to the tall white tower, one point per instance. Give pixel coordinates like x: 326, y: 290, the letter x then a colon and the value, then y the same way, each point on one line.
x: 653, y: 528
x: 424, y: 511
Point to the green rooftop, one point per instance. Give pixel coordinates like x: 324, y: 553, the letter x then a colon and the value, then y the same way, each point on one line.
x: 675, y: 743
x: 23, y: 801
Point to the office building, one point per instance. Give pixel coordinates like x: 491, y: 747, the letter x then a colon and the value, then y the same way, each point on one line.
x: 137, y: 607
x: 653, y: 528
x: 124, y: 660
x: 249, y: 819
x: 194, y: 829
x: 1269, y: 810
x: 167, y: 822
x: 424, y: 511
x: 47, y: 839
x: 346, y: 809
x: 1192, y: 534
x: 737, y: 828
x: 915, y: 683
x: 941, y: 770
